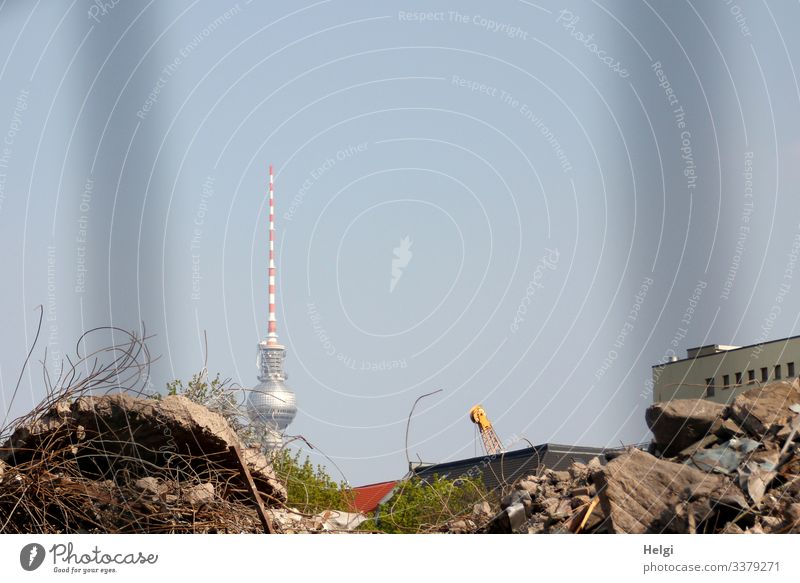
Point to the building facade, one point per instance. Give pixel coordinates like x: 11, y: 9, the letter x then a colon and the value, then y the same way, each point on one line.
x: 719, y: 373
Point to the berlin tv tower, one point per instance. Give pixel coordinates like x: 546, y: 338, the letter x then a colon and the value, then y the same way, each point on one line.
x: 271, y: 405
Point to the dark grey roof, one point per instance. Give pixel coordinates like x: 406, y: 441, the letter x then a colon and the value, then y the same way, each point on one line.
x: 506, y: 468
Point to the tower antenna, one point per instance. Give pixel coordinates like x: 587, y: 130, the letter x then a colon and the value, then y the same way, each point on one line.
x: 271, y: 405
x: 272, y: 325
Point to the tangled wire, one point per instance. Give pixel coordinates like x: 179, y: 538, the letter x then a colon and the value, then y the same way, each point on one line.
x: 57, y: 476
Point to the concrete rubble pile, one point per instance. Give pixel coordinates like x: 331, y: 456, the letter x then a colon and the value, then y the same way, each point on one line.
x: 711, y: 468
x: 116, y: 463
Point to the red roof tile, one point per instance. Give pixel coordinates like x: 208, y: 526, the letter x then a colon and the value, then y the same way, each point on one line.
x: 368, y: 497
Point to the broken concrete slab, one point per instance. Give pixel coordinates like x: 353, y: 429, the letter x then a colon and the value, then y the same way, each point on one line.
x: 153, y: 431
x: 339, y: 520
x: 732, y: 528
x: 792, y: 514
x: 199, y: 494
x: 678, y: 424
x: 151, y: 485
x: 727, y: 428
x: 516, y: 495
x: 482, y: 511
x: 707, y: 487
x: 725, y: 458
x: 756, y: 475
x: 707, y: 441
x: 558, y: 476
x: 639, y: 493
x: 766, y: 409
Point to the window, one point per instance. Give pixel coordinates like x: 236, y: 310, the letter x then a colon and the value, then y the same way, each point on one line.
x: 777, y: 372
x: 751, y: 376
x: 738, y: 378
x: 764, y: 374
x: 726, y: 380
x: 790, y: 369
x: 710, y: 387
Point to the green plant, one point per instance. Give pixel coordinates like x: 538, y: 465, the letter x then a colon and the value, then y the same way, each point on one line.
x: 217, y: 396
x: 421, y: 505
x: 310, y: 488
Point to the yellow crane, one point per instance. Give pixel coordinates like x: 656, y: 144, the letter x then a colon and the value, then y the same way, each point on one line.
x: 491, y: 443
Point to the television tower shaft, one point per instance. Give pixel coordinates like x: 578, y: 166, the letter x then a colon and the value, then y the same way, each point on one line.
x: 271, y: 405
x: 272, y: 325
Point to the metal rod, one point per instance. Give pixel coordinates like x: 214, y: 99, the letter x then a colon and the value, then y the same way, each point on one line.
x: 251, y: 485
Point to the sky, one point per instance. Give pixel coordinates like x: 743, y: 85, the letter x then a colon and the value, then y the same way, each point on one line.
x: 524, y: 205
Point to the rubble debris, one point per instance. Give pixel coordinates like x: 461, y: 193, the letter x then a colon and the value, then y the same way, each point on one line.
x: 724, y: 459
x: 793, y: 514
x: 459, y: 526
x: 251, y: 487
x: 152, y: 430
x: 337, y: 520
x: 482, y: 511
x: 151, y: 485
x: 678, y: 424
x: 546, y: 502
x: 199, y: 494
x: 97, y: 456
x: 757, y: 474
x: 731, y: 528
x: 766, y: 409
x: 716, y: 469
x: 118, y: 463
x: 639, y: 493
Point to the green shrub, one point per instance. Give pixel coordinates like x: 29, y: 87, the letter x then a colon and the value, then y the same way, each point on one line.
x: 310, y: 488
x: 422, y: 506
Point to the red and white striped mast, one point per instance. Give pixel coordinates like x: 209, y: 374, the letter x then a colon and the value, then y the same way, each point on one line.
x: 272, y: 325
x: 271, y: 405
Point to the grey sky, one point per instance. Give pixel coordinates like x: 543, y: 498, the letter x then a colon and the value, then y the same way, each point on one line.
x: 566, y: 176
